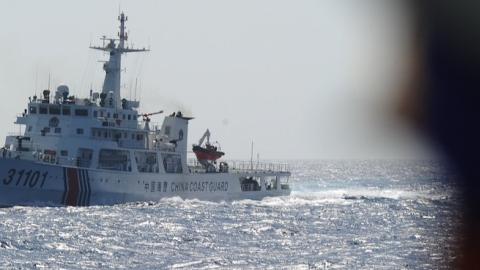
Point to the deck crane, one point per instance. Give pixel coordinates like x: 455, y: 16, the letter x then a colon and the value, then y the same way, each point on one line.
x: 146, y: 118
x: 206, y: 135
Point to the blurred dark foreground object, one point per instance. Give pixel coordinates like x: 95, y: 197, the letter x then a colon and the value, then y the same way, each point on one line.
x: 444, y: 101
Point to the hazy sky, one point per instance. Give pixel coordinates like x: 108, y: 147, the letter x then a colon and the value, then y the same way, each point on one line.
x: 302, y: 79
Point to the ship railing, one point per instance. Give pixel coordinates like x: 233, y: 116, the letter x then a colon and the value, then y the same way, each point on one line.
x: 66, y: 161
x: 194, y: 165
x: 154, y: 126
x: 259, y: 167
x: 45, y: 158
x: 15, y: 133
x: 245, y: 166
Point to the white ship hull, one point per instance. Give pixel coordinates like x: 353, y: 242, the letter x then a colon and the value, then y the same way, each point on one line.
x: 27, y: 182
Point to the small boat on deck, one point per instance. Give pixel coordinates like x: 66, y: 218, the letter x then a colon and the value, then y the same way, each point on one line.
x: 208, y: 152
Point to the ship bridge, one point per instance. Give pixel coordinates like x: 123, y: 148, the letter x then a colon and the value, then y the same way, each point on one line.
x: 102, y: 130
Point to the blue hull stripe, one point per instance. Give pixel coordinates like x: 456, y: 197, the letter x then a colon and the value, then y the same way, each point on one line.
x: 85, y: 186
x: 64, y: 197
x: 88, y: 188
x: 83, y: 189
x: 79, y: 182
x: 84, y: 194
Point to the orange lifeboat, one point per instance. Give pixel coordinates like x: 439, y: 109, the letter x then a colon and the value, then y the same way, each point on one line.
x: 208, y: 153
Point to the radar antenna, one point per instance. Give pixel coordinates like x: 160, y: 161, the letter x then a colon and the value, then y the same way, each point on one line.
x: 115, y: 47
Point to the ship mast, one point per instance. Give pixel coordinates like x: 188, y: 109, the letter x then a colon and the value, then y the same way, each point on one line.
x: 112, y: 67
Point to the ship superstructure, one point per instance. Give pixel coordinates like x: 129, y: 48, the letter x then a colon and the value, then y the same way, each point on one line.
x: 101, y: 150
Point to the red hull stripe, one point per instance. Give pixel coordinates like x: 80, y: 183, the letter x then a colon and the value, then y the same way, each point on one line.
x: 73, y: 187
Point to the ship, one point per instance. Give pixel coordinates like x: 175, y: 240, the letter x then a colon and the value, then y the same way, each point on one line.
x: 100, y: 150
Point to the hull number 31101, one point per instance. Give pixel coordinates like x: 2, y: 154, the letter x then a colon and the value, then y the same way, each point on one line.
x: 24, y: 177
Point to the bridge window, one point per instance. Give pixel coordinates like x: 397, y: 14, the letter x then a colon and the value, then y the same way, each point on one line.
x: 95, y: 113
x: 117, y: 135
x: 58, y: 130
x: 116, y: 160
x: 84, y: 157
x: 79, y: 131
x: 172, y: 163
x: 33, y: 109
x: 81, y: 112
x: 249, y: 184
x: 43, y: 110
x: 66, y: 110
x: 129, y: 117
x: 54, y: 109
x: 146, y: 162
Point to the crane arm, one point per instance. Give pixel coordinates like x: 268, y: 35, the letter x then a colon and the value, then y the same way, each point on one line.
x: 150, y: 114
x: 206, y: 135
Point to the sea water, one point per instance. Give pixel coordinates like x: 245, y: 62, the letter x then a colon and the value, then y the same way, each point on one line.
x: 353, y: 214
